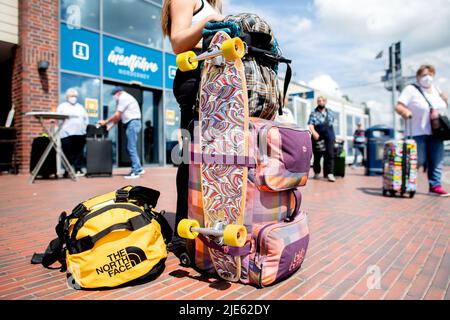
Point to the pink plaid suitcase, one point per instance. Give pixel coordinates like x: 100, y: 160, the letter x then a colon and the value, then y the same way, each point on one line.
x: 278, y: 233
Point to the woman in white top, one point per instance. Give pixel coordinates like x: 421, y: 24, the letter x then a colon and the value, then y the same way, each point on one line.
x: 412, y: 104
x: 183, y: 22
x: 73, y: 130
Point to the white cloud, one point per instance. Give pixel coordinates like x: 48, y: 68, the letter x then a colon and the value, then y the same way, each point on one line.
x: 326, y: 84
x: 422, y: 24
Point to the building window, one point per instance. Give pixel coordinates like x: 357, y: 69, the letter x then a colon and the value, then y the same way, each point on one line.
x: 350, y: 129
x: 337, y: 123
x: 172, y: 124
x: 88, y: 93
x: 350, y: 150
x: 81, y: 13
x: 136, y: 20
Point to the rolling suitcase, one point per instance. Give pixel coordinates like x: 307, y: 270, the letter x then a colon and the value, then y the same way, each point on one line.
x: 339, y: 160
x: 37, y: 149
x: 400, y: 168
x: 99, y: 157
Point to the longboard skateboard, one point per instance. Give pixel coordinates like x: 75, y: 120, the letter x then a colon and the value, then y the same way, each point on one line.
x: 224, y: 125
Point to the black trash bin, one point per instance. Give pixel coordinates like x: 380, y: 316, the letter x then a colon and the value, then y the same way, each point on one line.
x: 376, y: 138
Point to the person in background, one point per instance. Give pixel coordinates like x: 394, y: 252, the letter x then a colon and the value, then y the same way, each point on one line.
x: 73, y: 131
x: 148, y: 141
x: 129, y: 112
x: 413, y: 105
x: 321, y: 125
x: 183, y: 22
x: 359, y: 142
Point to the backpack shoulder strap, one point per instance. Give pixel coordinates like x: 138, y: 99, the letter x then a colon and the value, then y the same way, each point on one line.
x: 55, y: 251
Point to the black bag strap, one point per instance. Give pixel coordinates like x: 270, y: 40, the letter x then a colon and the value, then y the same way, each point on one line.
x: 423, y: 94
x: 166, y: 229
x: 271, y: 59
x: 55, y: 251
x: 142, y: 194
x: 88, y: 242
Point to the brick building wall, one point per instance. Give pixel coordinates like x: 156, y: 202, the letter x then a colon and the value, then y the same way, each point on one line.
x: 32, y: 91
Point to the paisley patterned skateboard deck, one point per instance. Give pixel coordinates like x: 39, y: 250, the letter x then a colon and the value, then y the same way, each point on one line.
x: 223, y: 132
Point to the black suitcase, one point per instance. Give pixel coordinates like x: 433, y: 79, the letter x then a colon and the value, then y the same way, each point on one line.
x: 339, y: 160
x: 99, y: 158
x: 37, y: 149
x: 96, y: 131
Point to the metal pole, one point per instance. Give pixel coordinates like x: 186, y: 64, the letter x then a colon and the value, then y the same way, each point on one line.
x: 394, y: 88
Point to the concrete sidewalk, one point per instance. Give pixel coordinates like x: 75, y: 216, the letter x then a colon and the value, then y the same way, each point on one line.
x: 356, y: 235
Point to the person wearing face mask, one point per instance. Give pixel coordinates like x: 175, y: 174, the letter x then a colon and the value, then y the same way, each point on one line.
x: 412, y: 104
x: 73, y: 131
x: 321, y: 125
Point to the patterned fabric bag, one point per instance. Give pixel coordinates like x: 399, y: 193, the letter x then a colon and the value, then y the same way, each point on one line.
x: 278, y: 233
x: 261, y: 65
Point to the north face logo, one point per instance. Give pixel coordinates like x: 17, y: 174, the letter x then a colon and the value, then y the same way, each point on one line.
x: 122, y: 261
x: 136, y: 255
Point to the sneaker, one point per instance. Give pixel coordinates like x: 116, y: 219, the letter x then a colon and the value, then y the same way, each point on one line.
x: 438, y: 191
x: 331, y: 178
x: 316, y: 176
x: 133, y: 176
x: 80, y: 174
x: 142, y: 171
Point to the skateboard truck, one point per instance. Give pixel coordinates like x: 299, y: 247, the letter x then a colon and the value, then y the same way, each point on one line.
x: 231, y: 49
x: 223, y: 233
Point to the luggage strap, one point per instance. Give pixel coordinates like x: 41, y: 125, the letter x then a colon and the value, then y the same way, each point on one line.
x: 232, y: 251
x: 88, y: 242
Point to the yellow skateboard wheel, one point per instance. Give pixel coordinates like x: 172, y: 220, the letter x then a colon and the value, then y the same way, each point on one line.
x: 233, y: 49
x: 185, y: 229
x: 185, y: 63
x: 235, y: 235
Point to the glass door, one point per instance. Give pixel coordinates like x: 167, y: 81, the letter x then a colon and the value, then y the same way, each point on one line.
x: 150, y: 121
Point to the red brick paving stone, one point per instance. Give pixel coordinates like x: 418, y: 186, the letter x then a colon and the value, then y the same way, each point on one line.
x: 351, y: 296
x: 397, y: 291
x: 349, y: 220
x: 435, y: 294
x: 374, y: 294
x: 316, y: 294
x: 218, y: 294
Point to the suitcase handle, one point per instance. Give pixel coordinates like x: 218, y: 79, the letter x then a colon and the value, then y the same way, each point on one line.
x: 408, y: 120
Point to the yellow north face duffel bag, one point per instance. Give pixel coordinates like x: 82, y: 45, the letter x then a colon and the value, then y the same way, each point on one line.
x: 111, y: 240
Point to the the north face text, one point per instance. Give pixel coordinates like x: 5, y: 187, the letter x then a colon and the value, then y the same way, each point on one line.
x: 122, y: 261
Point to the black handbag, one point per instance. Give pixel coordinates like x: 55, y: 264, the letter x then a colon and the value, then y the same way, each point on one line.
x: 319, y: 146
x: 440, y: 126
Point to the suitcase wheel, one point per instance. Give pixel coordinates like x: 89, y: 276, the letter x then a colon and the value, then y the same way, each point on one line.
x: 185, y: 260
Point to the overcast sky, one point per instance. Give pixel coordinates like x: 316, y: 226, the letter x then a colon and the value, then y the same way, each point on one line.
x: 333, y: 43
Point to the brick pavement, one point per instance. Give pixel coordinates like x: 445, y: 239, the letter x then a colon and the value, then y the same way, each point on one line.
x: 356, y: 234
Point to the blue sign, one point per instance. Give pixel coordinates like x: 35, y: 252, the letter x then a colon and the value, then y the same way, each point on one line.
x: 309, y: 95
x: 132, y: 63
x: 171, y: 69
x: 80, y: 50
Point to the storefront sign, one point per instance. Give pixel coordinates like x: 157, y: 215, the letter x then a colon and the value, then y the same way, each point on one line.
x: 80, y: 50
x: 171, y: 71
x: 91, y: 106
x: 170, y: 117
x: 131, y: 63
